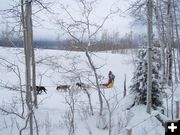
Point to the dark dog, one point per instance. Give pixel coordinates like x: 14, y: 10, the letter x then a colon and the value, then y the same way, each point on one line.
x: 63, y: 87
x: 40, y: 89
x: 82, y: 86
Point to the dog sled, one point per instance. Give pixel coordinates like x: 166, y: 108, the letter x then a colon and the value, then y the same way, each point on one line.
x: 106, y: 86
x: 110, y: 81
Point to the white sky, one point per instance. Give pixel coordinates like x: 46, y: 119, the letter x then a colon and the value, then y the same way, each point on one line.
x: 50, y: 31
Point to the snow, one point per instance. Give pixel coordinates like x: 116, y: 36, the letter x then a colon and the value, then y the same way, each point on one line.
x: 144, y: 123
x: 53, y: 110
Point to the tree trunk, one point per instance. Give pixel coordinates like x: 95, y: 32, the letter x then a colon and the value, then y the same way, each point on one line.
x: 97, y: 82
x: 164, y: 38
x: 129, y: 131
x: 33, y: 62
x: 177, y: 109
x: 161, y: 39
x: 172, y: 101
x: 90, y: 104
x: 177, y: 36
x: 175, y: 69
x: 125, y: 90
x: 149, y: 74
x: 34, y: 78
x: 28, y: 44
x: 167, y: 106
x: 169, y: 46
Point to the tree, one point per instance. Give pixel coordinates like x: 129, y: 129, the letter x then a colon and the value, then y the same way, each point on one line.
x: 27, y: 26
x: 149, y: 44
x: 161, y: 36
x: 7, y: 36
x: 169, y: 43
x: 21, y: 11
x: 175, y: 6
x: 139, y: 86
x: 83, y: 31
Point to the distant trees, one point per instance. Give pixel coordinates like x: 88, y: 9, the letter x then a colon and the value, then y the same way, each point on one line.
x: 6, y: 37
x: 107, y: 41
x: 113, y: 41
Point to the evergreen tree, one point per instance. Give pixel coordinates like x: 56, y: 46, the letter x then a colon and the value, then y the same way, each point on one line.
x: 139, y: 86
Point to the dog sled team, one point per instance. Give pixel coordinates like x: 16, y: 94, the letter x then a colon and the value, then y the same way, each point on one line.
x: 80, y: 85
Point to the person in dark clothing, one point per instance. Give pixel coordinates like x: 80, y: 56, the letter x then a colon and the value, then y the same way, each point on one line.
x: 110, y: 81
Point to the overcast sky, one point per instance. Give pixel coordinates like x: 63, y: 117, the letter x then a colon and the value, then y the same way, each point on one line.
x: 45, y: 28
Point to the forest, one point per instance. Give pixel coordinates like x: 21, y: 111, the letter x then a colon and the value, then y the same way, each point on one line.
x: 89, y: 67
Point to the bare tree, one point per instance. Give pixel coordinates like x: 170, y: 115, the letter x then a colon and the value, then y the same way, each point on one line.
x: 70, y: 100
x: 28, y: 44
x: 177, y: 37
x: 85, y: 89
x: 19, y: 88
x: 87, y: 30
x: 169, y: 43
x: 150, y: 35
x: 34, y: 78
x: 22, y: 13
x: 160, y: 28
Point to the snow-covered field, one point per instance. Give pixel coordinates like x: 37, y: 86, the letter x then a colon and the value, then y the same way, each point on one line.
x: 64, y: 67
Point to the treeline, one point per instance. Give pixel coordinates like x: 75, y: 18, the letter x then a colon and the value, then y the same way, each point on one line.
x: 37, y: 44
x: 106, y: 42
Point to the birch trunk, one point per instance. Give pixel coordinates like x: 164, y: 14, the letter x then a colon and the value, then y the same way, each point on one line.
x: 164, y: 37
x: 97, y: 83
x: 89, y: 99
x: 34, y: 78
x: 149, y: 74
x: 28, y: 44
x: 177, y: 36
x: 160, y: 29
x: 173, y: 54
x: 33, y: 62
x: 93, y: 68
x: 169, y: 46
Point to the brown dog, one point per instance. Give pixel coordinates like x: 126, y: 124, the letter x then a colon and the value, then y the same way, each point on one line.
x: 63, y: 87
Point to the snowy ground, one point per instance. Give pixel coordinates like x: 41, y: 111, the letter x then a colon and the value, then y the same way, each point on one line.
x: 62, y: 67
